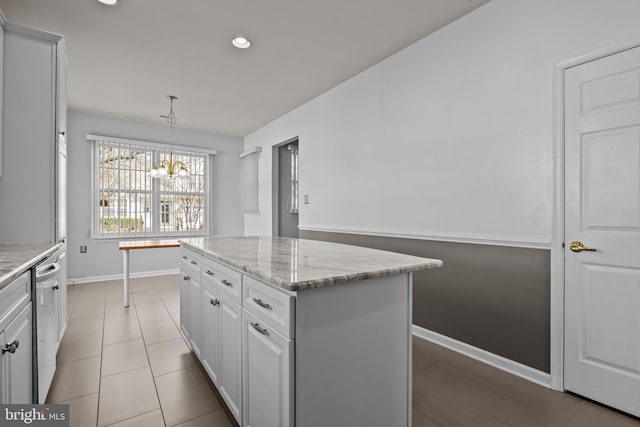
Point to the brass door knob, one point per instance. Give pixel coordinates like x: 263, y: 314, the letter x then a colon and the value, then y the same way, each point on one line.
x: 579, y: 247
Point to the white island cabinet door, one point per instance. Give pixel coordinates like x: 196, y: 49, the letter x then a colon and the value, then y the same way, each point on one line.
x: 18, y: 357
x: 3, y: 373
x: 184, y: 303
x: 195, y: 338
x: 231, y: 355
x: 268, y: 368
x: 210, y: 328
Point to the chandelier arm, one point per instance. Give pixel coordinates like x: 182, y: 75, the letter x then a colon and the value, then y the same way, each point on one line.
x: 169, y: 164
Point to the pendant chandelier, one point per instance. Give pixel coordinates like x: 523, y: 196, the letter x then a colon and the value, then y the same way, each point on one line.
x: 168, y: 168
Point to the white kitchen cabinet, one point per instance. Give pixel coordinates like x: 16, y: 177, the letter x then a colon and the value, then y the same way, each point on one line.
x: 17, y: 357
x: 210, y: 325
x: 34, y: 137
x: 16, y: 332
x: 190, y: 295
x: 230, y: 376
x: 268, y: 374
x: 184, y: 303
x: 195, y: 336
x: 221, y: 331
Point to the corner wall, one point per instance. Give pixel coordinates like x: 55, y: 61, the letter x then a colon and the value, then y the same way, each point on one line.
x: 450, y: 139
x: 103, y: 257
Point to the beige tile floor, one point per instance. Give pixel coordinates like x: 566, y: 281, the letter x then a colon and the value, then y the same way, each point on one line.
x: 131, y: 367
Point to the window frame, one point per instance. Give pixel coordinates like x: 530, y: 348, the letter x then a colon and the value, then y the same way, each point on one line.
x: 155, y: 193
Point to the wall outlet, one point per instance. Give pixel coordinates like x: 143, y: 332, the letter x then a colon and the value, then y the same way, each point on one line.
x: 83, y: 249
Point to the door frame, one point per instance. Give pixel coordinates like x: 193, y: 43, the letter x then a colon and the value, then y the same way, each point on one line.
x: 557, y: 299
x: 275, y: 181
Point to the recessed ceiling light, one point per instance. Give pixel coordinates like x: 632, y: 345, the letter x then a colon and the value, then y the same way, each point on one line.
x: 109, y: 2
x: 241, y: 42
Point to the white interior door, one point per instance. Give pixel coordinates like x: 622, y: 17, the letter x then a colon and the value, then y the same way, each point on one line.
x: 602, y: 210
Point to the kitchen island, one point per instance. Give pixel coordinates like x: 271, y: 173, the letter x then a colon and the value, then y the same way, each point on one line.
x: 299, y: 332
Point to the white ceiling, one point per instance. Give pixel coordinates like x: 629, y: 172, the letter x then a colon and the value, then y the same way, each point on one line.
x: 126, y: 59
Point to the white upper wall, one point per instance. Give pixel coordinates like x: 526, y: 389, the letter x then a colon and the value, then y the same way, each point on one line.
x: 450, y: 138
x: 103, y: 257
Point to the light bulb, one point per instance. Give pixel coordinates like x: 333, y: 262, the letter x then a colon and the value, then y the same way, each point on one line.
x: 241, y: 42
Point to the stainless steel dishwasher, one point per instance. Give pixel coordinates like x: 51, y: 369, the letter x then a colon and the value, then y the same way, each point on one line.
x: 46, y: 305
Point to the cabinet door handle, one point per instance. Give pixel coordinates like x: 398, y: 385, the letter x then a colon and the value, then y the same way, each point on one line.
x: 214, y: 301
x: 184, y: 257
x: 186, y: 277
x: 210, y: 273
x: 257, y: 327
x: 225, y: 282
x: 262, y: 303
x: 55, y: 288
x: 11, y: 348
x: 194, y: 263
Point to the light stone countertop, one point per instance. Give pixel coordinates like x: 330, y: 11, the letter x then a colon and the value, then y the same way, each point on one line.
x: 299, y: 264
x: 18, y: 258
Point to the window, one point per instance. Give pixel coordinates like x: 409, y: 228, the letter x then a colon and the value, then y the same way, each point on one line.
x: 129, y: 203
x: 294, y: 179
x: 165, y: 212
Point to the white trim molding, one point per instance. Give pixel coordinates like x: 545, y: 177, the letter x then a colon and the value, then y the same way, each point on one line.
x: 90, y: 138
x: 92, y: 279
x: 32, y: 32
x: 499, y: 362
x: 474, y: 240
x: 250, y: 151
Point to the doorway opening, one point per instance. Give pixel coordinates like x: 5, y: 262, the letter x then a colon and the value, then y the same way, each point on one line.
x: 285, y: 189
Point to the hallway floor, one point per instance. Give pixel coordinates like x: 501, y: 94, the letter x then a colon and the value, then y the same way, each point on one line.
x: 130, y: 367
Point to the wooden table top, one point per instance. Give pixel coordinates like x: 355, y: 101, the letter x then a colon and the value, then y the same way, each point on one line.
x: 148, y: 244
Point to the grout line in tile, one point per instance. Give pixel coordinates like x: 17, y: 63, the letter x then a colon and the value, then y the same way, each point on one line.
x: 146, y: 352
x: 136, y: 416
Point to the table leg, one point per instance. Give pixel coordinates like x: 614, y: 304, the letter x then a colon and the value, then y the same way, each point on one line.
x: 125, y: 254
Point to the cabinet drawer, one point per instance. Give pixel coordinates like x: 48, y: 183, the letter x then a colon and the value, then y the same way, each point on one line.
x: 13, y: 297
x: 190, y: 259
x: 229, y: 280
x: 275, y: 308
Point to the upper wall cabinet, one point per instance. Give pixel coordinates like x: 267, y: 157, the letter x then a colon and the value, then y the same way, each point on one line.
x: 34, y: 148
x: 251, y: 180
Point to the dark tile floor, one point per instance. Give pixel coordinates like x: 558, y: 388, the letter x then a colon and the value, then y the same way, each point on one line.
x: 131, y: 367
x: 450, y: 389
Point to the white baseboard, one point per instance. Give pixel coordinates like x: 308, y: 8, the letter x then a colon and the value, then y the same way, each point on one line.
x: 91, y: 279
x: 502, y: 363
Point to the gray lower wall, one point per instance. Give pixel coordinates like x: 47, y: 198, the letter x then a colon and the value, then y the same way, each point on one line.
x: 492, y: 297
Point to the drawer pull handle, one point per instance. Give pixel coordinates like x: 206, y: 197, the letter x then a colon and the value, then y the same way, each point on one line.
x: 262, y: 303
x: 55, y: 288
x: 226, y: 282
x: 257, y: 327
x: 214, y: 301
x: 11, y: 348
x: 210, y: 273
x: 186, y: 277
x: 194, y: 263
x: 184, y: 257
